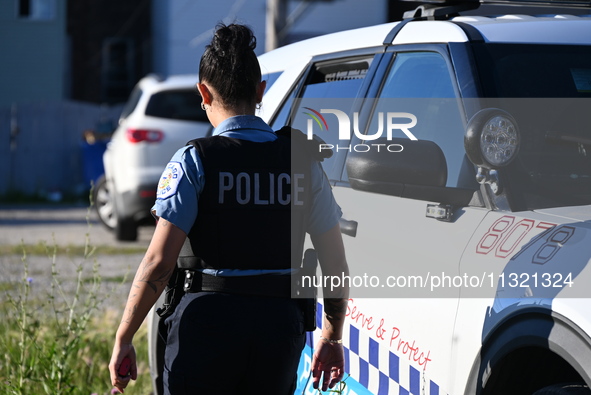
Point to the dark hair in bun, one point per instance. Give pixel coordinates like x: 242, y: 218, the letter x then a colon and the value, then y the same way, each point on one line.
x: 230, y: 65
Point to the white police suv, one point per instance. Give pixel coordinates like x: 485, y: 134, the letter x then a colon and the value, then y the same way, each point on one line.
x: 462, y: 164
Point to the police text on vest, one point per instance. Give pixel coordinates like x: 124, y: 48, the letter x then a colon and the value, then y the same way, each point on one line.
x: 260, y: 188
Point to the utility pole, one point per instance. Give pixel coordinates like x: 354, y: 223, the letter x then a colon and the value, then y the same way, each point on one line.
x: 275, y: 23
x: 278, y: 23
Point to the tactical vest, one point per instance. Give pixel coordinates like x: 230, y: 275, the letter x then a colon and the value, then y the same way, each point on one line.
x: 253, y: 207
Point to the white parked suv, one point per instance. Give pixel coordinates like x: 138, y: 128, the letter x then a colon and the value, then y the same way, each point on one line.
x: 161, y: 115
x: 462, y: 164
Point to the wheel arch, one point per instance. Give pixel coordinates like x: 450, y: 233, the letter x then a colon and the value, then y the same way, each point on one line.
x: 548, y: 337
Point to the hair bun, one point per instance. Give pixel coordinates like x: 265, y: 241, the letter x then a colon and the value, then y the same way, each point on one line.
x: 230, y: 65
x: 233, y: 39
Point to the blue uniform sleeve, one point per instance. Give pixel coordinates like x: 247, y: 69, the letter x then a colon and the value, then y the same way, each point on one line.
x: 179, y: 188
x: 325, y: 212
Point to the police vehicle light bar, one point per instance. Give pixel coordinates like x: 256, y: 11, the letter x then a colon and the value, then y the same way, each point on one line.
x: 442, y: 212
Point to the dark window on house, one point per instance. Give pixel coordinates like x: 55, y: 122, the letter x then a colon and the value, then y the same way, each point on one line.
x: 118, y: 69
x: 36, y: 9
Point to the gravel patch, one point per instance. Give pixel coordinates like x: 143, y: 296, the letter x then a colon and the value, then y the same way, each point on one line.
x: 66, y: 226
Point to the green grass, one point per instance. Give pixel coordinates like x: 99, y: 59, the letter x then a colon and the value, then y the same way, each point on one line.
x: 7, y: 286
x: 69, y: 250
x: 45, y: 369
x: 59, y: 341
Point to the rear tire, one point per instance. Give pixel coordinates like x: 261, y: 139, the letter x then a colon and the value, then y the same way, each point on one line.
x: 104, y: 204
x: 126, y: 229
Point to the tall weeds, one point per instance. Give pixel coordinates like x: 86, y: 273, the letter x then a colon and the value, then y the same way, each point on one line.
x: 57, y: 338
x: 42, y: 334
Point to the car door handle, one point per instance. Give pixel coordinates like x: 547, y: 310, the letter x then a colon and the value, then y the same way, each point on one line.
x: 348, y: 227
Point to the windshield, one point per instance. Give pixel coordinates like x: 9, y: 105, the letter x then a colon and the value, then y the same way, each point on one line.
x: 547, y: 89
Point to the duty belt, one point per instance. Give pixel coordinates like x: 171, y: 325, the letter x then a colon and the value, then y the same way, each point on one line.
x: 270, y: 285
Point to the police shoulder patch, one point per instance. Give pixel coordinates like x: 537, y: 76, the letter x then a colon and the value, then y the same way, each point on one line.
x: 169, y: 181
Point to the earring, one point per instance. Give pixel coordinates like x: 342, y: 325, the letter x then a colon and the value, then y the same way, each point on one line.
x: 259, y: 106
x: 203, y: 107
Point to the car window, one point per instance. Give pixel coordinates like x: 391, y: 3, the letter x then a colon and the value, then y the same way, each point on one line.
x: 547, y: 89
x: 420, y: 83
x: 132, y: 102
x: 270, y: 78
x: 418, y: 75
x: 329, y: 85
x: 179, y: 104
x: 560, y: 70
x: 336, y: 80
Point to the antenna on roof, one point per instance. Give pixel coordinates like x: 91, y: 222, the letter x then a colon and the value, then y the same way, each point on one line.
x: 441, y: 10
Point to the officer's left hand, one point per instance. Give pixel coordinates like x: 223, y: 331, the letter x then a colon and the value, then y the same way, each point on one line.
x: 328, y: 364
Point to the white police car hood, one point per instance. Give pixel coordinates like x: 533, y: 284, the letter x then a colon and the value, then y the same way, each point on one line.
x: 573, y: 213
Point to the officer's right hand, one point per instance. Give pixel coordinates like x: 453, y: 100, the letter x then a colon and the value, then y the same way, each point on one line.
x: 120, y: 351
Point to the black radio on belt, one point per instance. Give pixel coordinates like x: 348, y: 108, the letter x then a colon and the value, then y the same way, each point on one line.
x: 309, y: 303
x: 172, y: 294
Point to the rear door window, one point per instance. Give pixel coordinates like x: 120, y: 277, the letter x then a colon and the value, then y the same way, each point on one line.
x: 333, y: 84
x: 182, y: 104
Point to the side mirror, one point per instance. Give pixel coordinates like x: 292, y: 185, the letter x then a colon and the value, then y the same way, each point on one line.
x: 417, y: 171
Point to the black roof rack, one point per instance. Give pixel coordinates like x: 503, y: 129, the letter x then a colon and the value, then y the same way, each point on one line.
x: 444, y: 9
x: 541, y: 3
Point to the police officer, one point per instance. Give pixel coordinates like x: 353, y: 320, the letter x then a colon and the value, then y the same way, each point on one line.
x: 225, y: 205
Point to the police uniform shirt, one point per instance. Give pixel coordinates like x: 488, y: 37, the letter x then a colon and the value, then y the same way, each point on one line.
x: 183, y: 179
